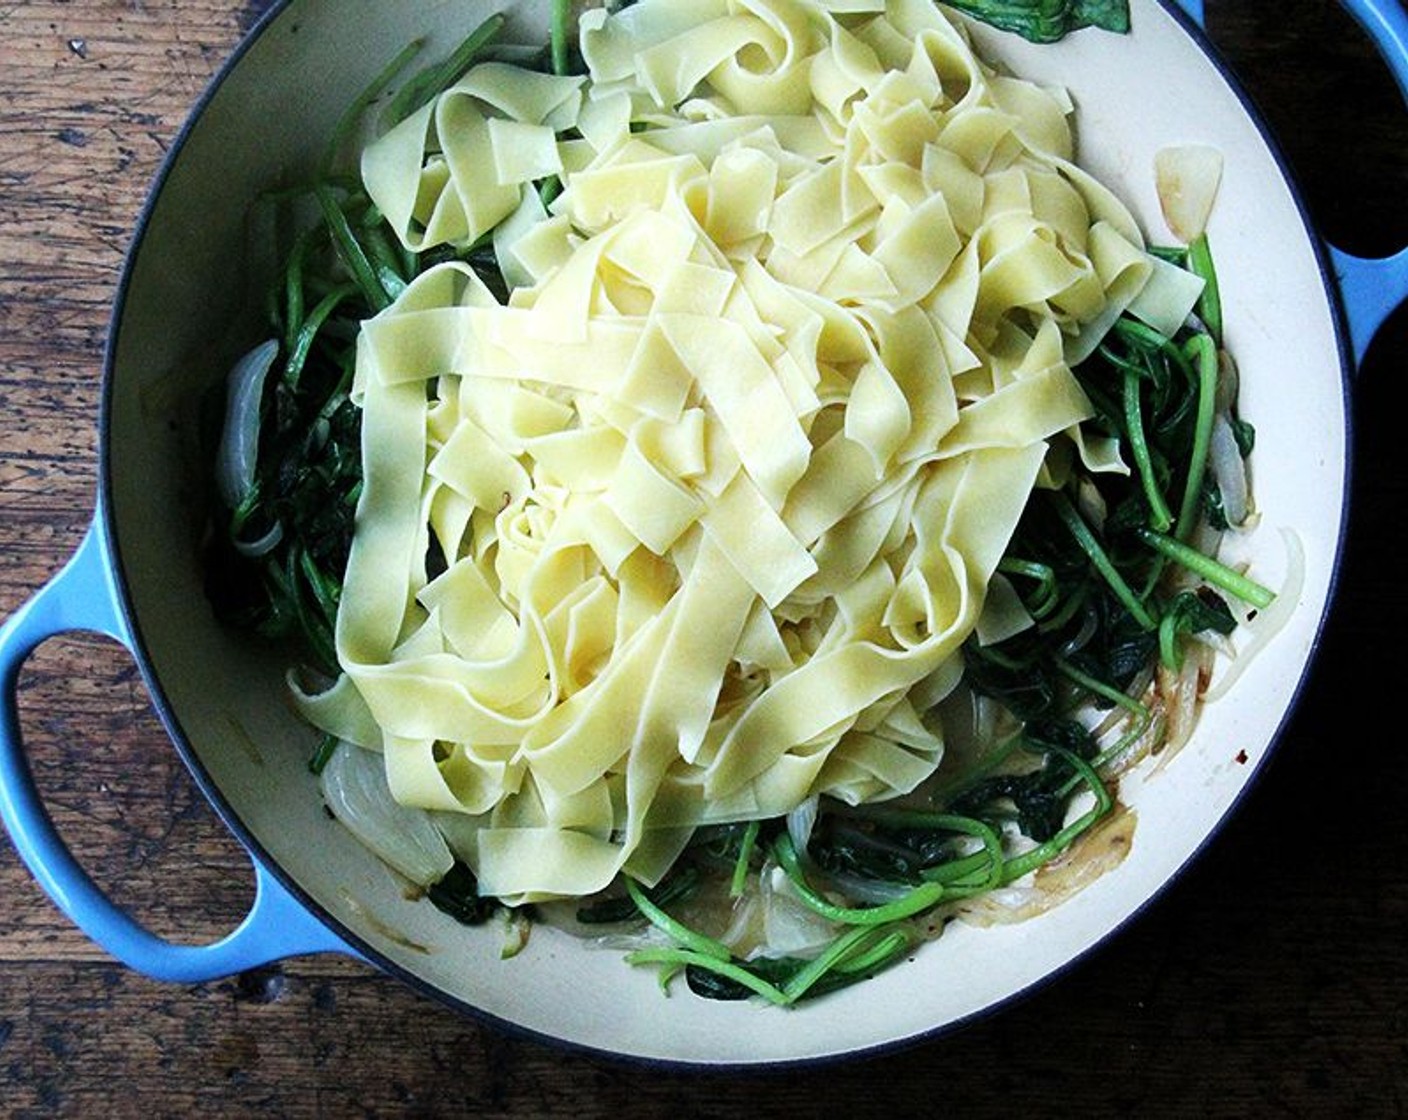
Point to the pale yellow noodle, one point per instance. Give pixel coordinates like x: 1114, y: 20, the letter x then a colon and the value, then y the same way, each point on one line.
x: 724, y: 485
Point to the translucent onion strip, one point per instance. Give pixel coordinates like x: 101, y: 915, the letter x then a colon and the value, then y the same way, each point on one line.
x: 1229, y: 469
x: 1269, y: 621
x: 239, y: 440
x: 354, y: 786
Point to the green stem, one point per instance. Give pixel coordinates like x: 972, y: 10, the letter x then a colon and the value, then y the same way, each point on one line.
x: 1200, y: 263
x: 1161, y: 517
x: 385, y: 261
x: 745, y: 858
x: 677, y: 931
x: 1170, y: 652
x: 351, y: 252
x: 1043, y: 853
x: 1099, y: 688
x: 1142, y: 716
x: 961, y: 874
x: 1140, y: 335
x: 852, y: 956
x: 1204, y: 350
x: 294, y: 307
x: 988, y: 860
x: 1213, y: 571
x: 359, y: 105
x: 560, y: 35
x: 315, y: 627
x: 308, y: 332
x: 1144, y: 337
x: 433, y: 81
x: 323, y: 755
x: 917, y: 900
x: 1078, y: 529
x: 847, y: 945
x: 326, y: 591
x: 723, y: 967
x: 886, y: 948
x: 1073, y: 604
x: 1046, y: 598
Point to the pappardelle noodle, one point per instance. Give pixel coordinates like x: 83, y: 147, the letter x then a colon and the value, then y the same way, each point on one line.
x: 740, y: 477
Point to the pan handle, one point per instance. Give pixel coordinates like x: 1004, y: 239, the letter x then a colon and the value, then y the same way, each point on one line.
x: 83, y: 597
x: 1371, y: 289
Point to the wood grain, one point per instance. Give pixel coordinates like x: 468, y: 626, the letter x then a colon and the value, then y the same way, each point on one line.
x: 1270, y: 980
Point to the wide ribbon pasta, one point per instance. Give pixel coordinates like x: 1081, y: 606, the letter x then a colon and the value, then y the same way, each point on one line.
x: 715, y: 498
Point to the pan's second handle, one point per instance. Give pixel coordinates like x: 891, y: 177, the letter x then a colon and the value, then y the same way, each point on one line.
x: 1371, y: 289
x: 1374, y: 289
x: 83, y: 597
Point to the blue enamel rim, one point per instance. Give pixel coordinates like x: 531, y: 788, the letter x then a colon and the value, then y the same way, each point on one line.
x: 1356, y: 296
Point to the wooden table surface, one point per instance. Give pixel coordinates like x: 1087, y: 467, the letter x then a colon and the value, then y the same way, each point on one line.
x: 1270, y: 980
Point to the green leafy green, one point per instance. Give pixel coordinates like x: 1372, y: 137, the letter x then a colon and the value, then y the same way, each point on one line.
x: 1046, y: 21
x: 623, y: 908
x: 308, y: 475
x: 875, y: 936
x: 1091, y: 559
x: 457, y: 895
x: 434, y: 80
x: 340, y: 268
x: 713, y: 973
x: 323, y: 755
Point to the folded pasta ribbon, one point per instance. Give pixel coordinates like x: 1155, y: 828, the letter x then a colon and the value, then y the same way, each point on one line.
x: 721, y: 489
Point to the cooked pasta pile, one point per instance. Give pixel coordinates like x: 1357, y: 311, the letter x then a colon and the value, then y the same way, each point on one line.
x: 693, y: 526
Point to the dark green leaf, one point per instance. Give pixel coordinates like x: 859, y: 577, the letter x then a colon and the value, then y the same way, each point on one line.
x: 1046, y: 21
x: 457, y: 895
x: 1200, y: 610
x: 1245, y: 435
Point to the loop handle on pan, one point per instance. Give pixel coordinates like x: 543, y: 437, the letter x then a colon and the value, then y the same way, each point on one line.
x: 1370, y: 289
x: 1373, y: 289
x: 83, y: 597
